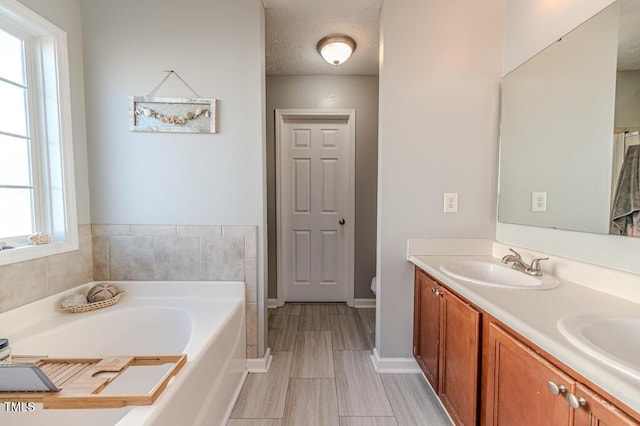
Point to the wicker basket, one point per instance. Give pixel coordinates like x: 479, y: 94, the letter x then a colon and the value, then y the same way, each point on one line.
x: 87, y: 307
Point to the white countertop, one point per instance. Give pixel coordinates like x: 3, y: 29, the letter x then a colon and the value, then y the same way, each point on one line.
x: 534, y: 315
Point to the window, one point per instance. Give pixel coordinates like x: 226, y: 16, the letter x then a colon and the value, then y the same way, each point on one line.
x: 36, y: 169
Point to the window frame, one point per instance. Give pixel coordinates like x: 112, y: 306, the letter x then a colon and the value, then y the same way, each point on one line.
x: 49, y: 105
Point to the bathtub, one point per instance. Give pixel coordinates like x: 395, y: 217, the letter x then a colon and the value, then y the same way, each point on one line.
x: 205, y: 320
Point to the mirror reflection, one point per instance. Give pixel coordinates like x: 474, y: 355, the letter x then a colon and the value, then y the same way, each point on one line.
x: 570, y: 125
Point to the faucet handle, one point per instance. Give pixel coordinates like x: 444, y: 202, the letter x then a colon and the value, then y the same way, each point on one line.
x: 535, y: 263
x: 516, y: 254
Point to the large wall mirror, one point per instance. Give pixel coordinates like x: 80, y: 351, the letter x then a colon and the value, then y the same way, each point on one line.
x: 570, y: 121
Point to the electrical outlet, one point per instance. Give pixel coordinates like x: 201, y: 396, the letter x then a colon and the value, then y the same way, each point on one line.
x: 538, y: 202
x: 451, y: 202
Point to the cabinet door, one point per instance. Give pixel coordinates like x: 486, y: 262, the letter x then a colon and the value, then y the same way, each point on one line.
x: 426, y: 330
x: 598, y: 411
x: 459, y: 358
x: 516, y: 387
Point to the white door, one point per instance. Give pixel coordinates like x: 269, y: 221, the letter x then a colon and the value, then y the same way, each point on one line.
x: 315, y: 208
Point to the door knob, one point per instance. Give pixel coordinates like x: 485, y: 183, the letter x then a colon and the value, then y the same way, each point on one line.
x: 341, y: 222
x: 556, y: 389
x: 576, y: 401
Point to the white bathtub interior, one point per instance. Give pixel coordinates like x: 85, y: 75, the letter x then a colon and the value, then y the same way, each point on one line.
x: 204, y: 320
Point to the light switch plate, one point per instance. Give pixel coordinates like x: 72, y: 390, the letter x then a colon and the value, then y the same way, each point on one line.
x: 538, y: 202
x: 450, y: 202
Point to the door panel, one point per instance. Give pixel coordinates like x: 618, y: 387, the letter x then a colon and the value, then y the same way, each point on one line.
x: 516, y: 386
x: 314, y: 199
x: 598, y: 411
x: 459, y: 359
x: 426, y: 339
x: 302, y: 186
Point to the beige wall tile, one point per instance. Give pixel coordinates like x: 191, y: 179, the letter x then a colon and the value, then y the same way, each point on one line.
x: 131, y: 258
x: 153, y: 230
x: 252, y: 324
x: 250, y: 235
x: 251, y: 279
x: 101, y: 258
x: 176, y: 258
x: 252, y: 352
x: 21, y: 283
x: 222, y: 258
x: 199, y: 231
x: 84, y: 230
x: 110, y: 230
x: 70, y: 269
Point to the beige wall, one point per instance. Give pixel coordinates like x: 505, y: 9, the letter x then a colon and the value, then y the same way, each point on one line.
x: 360, y: 93
x: 439, y: 78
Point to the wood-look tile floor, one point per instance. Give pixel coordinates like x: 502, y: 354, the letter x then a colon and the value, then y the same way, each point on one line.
x: 321, y: 375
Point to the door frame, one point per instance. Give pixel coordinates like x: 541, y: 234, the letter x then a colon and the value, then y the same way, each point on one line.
x: 319, y: 114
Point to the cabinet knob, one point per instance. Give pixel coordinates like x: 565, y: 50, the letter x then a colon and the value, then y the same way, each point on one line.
x: 576, y: 401
x: 556, y: 389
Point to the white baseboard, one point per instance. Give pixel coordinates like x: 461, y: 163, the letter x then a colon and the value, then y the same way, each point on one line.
x: 364, y: 303
x: 358, y: 303
x: 394, y: 365
x: 272, y: 303
x: 260, y: 365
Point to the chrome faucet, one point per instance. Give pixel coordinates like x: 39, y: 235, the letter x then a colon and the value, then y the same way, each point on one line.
x: 518, y: 264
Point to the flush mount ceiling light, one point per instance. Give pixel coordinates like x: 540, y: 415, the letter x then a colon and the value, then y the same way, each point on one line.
x: 337, y: 48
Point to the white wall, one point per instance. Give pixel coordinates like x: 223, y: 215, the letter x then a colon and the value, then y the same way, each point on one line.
x: 217, y: 46
x: 66, y: 15
x: 322, y: 91
x: 174, y: 178
x: 440, y: 69
x: 532, y: 25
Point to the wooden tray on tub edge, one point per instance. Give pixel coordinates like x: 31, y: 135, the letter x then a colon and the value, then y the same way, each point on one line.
x: 79, y: 386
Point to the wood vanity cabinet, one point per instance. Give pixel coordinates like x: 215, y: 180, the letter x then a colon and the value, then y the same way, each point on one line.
x: 486, y: 374
x: 517, y: 389
x: 517, y: 384
x: 597, y: 411
x: 446, y: 345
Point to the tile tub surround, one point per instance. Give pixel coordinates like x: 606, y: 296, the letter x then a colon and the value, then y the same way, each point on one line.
x: 26, y: 282
x: 181, y: 253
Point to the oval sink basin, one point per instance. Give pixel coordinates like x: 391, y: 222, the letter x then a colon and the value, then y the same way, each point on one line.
x: 613, y: 339
x: 496, y: 275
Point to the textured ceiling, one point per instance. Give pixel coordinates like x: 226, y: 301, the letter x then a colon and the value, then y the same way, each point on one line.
x: 629, y: 37
x: 294, y: 27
